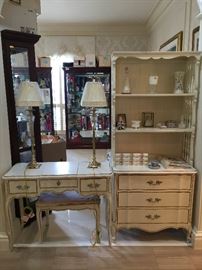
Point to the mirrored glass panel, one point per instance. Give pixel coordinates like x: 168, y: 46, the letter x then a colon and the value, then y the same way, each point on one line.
x: 20, y: 72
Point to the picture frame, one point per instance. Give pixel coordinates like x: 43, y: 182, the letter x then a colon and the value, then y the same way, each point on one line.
x: 148, y: 119
x: 195, y: 38
x: 46, y: 95
x: 121, y: 122
x: 17, y: 2
x: 173, y: 44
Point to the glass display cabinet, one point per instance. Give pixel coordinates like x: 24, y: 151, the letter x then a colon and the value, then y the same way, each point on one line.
x: 79, y: 119
x: 19, y: 65
x: 46, y: 112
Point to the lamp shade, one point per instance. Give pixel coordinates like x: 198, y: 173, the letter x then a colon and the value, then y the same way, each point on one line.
x: 29, y: 95
x: 93, y: 95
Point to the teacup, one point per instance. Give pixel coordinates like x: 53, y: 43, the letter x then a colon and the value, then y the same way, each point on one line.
x: 135, y: 123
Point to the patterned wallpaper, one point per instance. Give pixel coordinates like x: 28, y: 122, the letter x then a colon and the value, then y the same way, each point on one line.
x: 105, y: 45
x: 82, y: 45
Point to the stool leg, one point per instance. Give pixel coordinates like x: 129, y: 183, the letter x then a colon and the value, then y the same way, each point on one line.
x: 39, y: 222
x: 108, y: 217
x: 97, y: 216
x: 47, y: 217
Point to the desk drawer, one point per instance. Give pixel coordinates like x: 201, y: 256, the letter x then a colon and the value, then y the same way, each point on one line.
x: 157, y: 199
x: 172, y: 181
x: 164, y: 216
x: 93, y: 185
x: 58, y: 183
x: 22, y: 186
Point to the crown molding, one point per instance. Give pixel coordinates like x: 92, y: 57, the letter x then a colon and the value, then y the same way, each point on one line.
x: 157, y: 13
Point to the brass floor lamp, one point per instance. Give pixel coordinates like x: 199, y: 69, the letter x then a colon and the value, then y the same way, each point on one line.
x: 93, y: 97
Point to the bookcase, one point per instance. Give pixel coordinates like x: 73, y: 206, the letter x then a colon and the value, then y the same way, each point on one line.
x: 155, y: 96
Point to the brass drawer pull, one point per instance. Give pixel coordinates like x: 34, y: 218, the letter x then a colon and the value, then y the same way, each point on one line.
x: 152, y: 217
x: 91, y: 185
x: 154, y: 183
x: 20, y: 187
x: 58, y: 183
x: 97, y: 185
x: 151, y: 200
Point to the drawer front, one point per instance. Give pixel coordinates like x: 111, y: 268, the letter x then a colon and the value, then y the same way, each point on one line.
x: 58, y: 183
x: 147, y: 216
x: 177, y: 182
x: 158, y: 199
x: 21, y: 186
x: 93, y: 185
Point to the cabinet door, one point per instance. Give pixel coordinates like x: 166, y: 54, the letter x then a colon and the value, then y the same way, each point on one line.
x: 19, y: 65
x: 79, y: 119
x: 46, y: 112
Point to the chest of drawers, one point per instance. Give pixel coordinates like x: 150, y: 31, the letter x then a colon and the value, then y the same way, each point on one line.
x: 153, y: 202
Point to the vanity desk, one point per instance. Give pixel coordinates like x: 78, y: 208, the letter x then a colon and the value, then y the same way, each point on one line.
x: 57, y: 177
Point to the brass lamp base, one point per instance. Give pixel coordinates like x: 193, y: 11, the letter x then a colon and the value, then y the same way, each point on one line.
x: 33, y: 165
x: 94, y: 164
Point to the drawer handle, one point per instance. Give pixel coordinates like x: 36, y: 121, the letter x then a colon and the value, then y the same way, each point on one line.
x: 91, y: 185
x: 20, y: 187
x: 154, y: 183
x: 152, y: 217
x: 151, y: 200
x: 58, y: 183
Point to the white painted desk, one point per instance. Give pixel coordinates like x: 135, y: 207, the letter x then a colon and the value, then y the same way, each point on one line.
x: 57, y: 177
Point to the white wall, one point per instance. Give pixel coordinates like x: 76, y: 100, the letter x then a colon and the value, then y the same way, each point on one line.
x: 167, y: 24
x: 11, y: 14
x: 177, y: 16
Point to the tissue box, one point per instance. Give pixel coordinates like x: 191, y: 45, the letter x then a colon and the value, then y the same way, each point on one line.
x: 90, y: 60
x: 44, y: 61
x: 79, y: 61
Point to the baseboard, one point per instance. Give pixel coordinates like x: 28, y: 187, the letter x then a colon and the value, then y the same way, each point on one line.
x: 4, y: 243
x: 196, y: 239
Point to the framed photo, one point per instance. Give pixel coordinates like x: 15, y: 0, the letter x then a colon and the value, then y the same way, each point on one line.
x: 147, y: 119
x: 46, y: 95
x: 173, y: 44
x: 195, y: 39
x: 121, y: 121
x: 17, y: 2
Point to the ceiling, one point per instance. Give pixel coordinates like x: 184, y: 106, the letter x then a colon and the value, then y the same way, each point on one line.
x: 96, y: 11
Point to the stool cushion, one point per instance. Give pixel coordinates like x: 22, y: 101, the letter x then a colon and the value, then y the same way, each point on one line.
x: 66, y: 198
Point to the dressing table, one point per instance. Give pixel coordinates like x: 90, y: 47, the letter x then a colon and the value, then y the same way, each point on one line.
x: 57, y: 177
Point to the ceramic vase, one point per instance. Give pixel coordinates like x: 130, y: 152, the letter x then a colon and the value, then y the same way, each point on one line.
x: 179, y: 82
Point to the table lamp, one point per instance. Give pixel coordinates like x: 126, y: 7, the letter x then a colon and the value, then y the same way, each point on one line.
x: 29, y: 95
x: 93, y: 97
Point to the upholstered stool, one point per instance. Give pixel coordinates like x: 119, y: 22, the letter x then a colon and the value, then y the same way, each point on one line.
x: 70, y: 200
